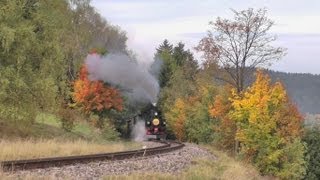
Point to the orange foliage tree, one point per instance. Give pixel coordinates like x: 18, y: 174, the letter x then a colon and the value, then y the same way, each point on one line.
x: 224, y: 127
x: 95, y: 96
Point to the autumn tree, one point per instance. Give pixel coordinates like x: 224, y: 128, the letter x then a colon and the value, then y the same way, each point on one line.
x: 176, y: 119
x: 269, y: 128
x: 188, y: 116
x: 224, y: 127
x: 240, y: 44
x: 95, y: 96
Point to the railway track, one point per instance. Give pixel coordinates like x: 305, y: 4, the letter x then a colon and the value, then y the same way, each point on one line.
x: 166, y: 146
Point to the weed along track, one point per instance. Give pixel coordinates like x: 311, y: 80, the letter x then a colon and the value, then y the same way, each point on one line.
x: 166, y: 146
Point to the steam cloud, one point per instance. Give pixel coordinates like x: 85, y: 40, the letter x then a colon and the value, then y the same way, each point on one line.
x: 120, y: 70
x: 138, y: 131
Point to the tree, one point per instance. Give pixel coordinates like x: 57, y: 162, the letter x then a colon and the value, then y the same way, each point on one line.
x: 199, y: 125
x: 187, y: 110
x: 31, y: 57
x: 172, y: 60
x: 224, y: 127
x: 95, y: 96
x: 176, y: 119
x: 269, y: 128
x: 240, y: 44
x: 165, y: 46
x: 87, y: 30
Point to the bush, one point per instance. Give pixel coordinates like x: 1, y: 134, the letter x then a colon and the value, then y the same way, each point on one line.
x: 199, y: 127
x: 312, y: 155
x: 294, y: 164
x: 108, y: 132
x: 67, y: 119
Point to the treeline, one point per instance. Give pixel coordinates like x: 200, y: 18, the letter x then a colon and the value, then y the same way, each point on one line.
x: 303, y: 88
x: 42, y: 46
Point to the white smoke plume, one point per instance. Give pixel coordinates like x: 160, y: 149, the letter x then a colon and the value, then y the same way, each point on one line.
x: 120, y: 70
x: 138, y: 131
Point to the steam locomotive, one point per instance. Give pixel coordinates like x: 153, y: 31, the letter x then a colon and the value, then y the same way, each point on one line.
x: 154, y: 123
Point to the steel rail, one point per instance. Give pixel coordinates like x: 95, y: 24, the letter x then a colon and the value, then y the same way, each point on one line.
x: 68, y: 160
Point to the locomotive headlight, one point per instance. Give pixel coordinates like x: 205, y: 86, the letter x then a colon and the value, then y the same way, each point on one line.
x: 148, y: 122
x: 155, y: 122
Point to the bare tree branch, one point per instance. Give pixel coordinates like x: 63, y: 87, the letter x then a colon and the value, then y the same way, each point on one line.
x: 240, y: 43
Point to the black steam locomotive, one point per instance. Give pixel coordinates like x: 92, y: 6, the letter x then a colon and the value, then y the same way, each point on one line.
x: 154, y: 123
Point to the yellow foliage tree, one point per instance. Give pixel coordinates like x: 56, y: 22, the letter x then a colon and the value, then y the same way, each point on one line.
x: 268, y: 127
x: 176, y: 118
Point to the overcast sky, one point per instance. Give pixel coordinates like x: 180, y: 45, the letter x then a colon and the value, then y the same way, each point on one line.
x: 149, y: 22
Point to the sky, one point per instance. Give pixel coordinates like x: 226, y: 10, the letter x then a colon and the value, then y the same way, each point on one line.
x: 148, y: 22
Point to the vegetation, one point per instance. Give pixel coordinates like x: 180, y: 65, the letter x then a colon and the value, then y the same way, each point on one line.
x: 311, y: 138
x: 42, y: 45
x: 269, y: 128
x: 257, y: 122
x: 301, y: 87
x: 37, y: 148
x: 238, y: 43
x: 96, y: 97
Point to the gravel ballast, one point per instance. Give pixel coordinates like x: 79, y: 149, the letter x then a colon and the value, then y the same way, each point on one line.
x: 172, y: 162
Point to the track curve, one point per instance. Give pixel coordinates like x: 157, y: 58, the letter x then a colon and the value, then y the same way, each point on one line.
x: 167, y: 146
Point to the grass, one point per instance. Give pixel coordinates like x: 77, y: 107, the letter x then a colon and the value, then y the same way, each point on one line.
x: 81, y: 129
x: 4, y: 176
x: 225, y: 167
x: 48, y: 126
x: 24, y: 149
x: 46, y: 138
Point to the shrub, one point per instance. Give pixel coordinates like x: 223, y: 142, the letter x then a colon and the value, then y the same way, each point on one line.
x: 108, y: 132
x: 312, y: 155
x: 294, y: 164
x: 67, y: 119
x: 199, y: 125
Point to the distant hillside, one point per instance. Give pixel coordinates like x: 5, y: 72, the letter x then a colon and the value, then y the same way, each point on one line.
x: 303, y: 88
